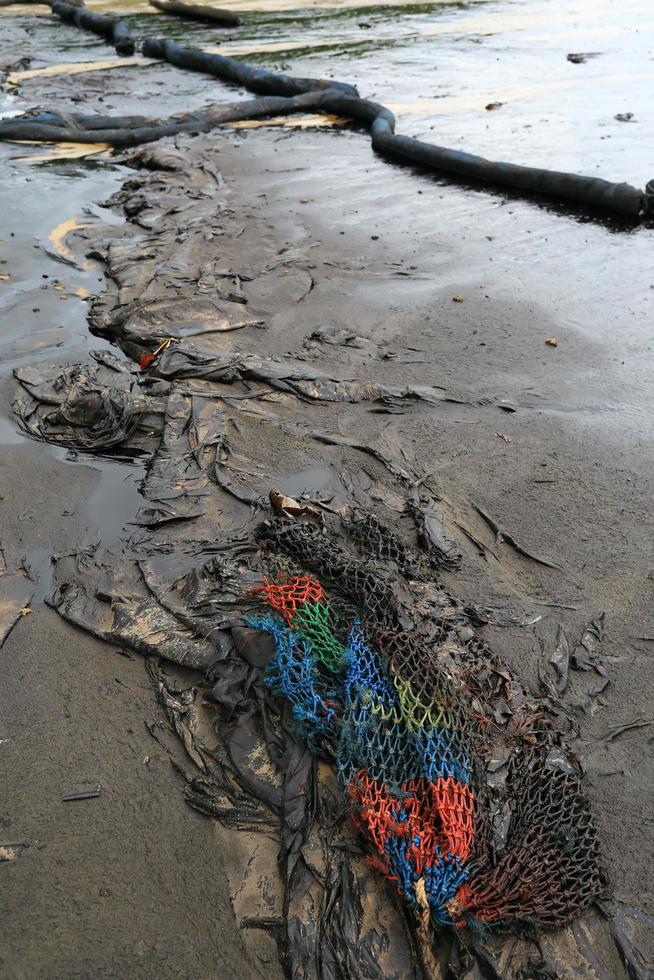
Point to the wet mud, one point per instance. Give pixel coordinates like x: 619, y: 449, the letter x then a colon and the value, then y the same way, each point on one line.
x: 350, y: 353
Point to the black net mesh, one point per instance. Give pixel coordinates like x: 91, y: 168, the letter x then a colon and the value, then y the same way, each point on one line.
x: 375, y: 539
x: 312, y: 548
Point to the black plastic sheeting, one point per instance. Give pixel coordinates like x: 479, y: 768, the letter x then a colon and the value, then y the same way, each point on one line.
x: 113, y: 30
x: 323, y: 95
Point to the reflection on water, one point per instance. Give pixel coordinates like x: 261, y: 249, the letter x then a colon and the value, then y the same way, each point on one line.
x: 58, y: 235
x: 77, y: 68
x: 61, y: 151
x: 482, y: 98
x: 291, y: 122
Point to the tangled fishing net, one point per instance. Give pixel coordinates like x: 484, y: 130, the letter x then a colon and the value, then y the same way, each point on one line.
x: 403, y: 726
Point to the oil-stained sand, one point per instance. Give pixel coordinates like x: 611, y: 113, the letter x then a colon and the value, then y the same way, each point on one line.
x: 574, y: 482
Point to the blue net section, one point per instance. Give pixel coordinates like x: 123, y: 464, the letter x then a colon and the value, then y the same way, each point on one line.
x: 295, y: 676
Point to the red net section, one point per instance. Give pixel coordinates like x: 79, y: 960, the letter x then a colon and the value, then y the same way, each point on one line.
x: 455, y: 805
x: 529, y: 882
x: 288, y: 596
x: 431, y: 817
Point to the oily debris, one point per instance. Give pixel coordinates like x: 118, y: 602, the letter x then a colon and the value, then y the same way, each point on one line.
x: 184, y: 588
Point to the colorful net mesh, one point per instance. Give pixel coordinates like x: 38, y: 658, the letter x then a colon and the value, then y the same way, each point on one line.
x: 405, y: 736
x: 301, y: 603
x: 313, y: 550
x: 295, y: 675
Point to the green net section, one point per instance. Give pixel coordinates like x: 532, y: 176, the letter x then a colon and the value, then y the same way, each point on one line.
x: 313, y: 621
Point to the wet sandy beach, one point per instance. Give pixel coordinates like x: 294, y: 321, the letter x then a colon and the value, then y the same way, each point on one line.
x: 554, y: 441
